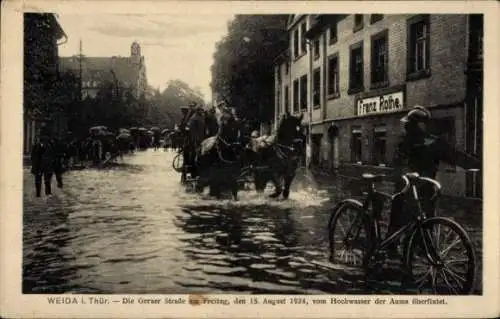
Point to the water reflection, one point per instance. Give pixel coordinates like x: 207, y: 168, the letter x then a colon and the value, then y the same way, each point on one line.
x: 131, y: 228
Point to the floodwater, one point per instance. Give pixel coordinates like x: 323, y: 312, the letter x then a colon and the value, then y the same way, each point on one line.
x: 133, y: 228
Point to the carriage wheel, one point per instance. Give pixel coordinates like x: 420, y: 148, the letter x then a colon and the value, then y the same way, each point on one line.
x: 183, y: 177
x: 178, y: 163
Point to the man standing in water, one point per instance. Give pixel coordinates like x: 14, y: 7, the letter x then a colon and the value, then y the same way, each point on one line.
x: 42, y: 164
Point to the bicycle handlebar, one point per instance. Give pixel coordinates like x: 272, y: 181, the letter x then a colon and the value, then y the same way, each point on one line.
x: 411, y: 179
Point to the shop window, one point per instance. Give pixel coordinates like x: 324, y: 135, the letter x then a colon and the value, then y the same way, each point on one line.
x: 333, y: 76
x: 317, y: 88
x: 358, y: 22
x: 316, y: 49
x: 303, y: 44
x: 303, y: 93
x: 287, y: 98
x: 356, y: 69
x: 379, y: 145
x: 333, y: 33
x: 296, y: 43
x: 295, y: 96
x: 380, y: 57
x: 356, y: 144
x: 374, y: 18
x: 418, y: 47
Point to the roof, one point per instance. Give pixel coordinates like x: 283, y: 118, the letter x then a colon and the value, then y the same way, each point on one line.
x: 294, y: 19
x: 321, y: 22
x: 100, y: 68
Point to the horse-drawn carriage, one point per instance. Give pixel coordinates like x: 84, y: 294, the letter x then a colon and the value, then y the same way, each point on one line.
x: 230, y: 158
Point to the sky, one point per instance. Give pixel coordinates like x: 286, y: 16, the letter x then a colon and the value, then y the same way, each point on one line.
x: 173, y: 46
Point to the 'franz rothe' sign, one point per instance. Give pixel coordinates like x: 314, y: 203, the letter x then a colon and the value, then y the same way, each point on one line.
x: 386, y: 103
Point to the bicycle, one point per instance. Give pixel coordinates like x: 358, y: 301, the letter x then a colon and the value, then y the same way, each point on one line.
x: 363, y: 242
x: 178, y: 162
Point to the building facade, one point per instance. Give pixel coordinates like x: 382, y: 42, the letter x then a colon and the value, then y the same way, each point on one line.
x: 126, y: 73
x: 361, y: 73
x: 42, y: 32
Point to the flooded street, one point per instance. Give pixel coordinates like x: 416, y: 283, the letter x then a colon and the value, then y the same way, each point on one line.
x: 133, y: 228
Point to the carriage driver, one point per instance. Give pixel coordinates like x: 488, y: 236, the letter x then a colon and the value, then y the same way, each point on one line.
x: 421, y: 152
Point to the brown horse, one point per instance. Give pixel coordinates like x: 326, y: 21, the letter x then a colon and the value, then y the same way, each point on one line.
x: 278, y: 156
x: 218, y: 158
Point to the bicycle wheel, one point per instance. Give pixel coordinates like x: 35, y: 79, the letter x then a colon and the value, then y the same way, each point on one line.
x: 350, y: 236
x: 448, y: 265
x: 178, y: 162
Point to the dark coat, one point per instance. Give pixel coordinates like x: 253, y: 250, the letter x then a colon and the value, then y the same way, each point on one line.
x: 43, y: 155
x: 423, y: 155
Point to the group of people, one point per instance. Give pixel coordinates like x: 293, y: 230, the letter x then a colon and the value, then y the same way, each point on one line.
x: 48, y: 158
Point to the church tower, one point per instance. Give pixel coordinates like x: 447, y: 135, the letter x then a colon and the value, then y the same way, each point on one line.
x: 135, y: 52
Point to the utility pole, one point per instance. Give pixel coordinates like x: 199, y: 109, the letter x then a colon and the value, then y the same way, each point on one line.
x: 80, y: 57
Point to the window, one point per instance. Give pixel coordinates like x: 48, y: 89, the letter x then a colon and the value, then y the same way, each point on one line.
x: 296, y: 96
x: 317, y: 88
x: 287, y: 68
x: 356, y: 144
x: 303, y: 30
x: 303, y: 93
x: 379, y: 67
x: 379, y: 144
x: 375, y: 18
x: 476, y: 37
x: 278, y: 75
x: 356, y: 69
x: 287, y: 97
x: 333, y: 33
x: 333, y: 76
x: 358, y: 22
x: 316, y: 49
x: 418, y: 47
x: 296, y: 43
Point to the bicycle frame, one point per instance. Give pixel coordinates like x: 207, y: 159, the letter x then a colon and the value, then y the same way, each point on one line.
x: 375, y: 200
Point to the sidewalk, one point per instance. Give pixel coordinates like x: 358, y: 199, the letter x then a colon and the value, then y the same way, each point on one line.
x: 464, y: 209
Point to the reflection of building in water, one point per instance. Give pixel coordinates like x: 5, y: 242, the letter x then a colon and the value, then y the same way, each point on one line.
x: 128, y: 73
x: 356, y: 75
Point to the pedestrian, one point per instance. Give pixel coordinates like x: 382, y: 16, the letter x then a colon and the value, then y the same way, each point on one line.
x: 60, y: 151
x: 42, y: 166
x: 421, y: 152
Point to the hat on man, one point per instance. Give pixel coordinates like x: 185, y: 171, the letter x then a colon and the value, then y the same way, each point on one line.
x: 417, y: 114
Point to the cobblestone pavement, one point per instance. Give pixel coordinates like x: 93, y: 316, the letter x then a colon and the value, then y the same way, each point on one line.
x: 132, y: 228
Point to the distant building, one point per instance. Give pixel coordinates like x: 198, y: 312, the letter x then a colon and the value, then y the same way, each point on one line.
x: 42, y: 32
x: 356, y: 75
x: 127, y: 73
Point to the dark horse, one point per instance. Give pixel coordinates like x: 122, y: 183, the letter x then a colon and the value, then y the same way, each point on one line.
x: 218, y: 157
x: 277, y: 156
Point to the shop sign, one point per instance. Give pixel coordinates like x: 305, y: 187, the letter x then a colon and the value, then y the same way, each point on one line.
x: 386, y: 103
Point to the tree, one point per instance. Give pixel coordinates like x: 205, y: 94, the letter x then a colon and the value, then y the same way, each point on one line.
x: 243, y: 67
